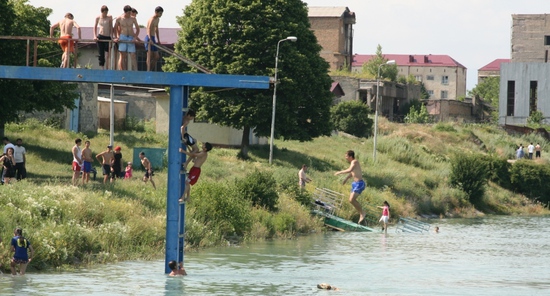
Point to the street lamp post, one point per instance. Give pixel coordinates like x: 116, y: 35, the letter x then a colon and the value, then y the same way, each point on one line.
x: 293, y: 39
x: 390, y: 62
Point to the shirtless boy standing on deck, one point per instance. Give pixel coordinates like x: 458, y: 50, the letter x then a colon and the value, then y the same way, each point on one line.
x: 67, y: 45
x: 358, y: 185
x: 105, y: 24
x: 152, y: 32
x: 124, y: 31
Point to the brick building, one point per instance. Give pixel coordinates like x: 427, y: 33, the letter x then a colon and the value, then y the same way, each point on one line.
x: 530, y: 38
x: 333, y: 28
x: 443, y: 77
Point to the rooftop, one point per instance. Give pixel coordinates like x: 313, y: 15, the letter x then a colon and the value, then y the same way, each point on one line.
x: 429, y: 60
x: 494, y: 65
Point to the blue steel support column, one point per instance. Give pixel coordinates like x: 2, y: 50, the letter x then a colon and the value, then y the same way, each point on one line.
x: 181, y: 222
x: 174, y: 167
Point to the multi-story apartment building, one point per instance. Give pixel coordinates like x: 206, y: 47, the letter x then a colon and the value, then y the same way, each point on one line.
x: 333, y: 27
x: 490, y: 70
x: 443, y: 77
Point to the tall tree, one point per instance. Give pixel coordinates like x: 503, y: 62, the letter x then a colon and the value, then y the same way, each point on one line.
x: 488, y: 90
x: 240, y: 37
x: 21, y: 19
x: 388, y: 71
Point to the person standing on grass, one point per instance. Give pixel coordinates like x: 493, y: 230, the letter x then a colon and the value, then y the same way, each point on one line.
x: 106, y: 158
x: 87, y: 162
x: 530, y: 150
x: 20, y: 247
x: 7, y: 144
x: 385, y: 216
x: 77, y: 161
x: 195, y: 172
x: 358, y: 185
x: 537, y: 151
x: 149, y: 173
x: 20, y: 155
x: 153, y: 37
x: 302, y: 177
x: 117, y: 164
x: 128, y: 171
x: 9, y: 165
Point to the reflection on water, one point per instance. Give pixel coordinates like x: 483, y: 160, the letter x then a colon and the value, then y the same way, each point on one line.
x: 489, y: 256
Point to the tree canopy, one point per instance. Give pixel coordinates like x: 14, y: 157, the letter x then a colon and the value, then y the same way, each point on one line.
x: 387, y: 71
x: 240, y: 37
x: 488, y: 89
x: 21, y: 19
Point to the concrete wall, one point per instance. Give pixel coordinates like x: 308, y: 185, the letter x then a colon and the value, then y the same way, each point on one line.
x: 204, y: 132
x: 141, y: 104
x: 87, y: 121
x: 104, y: 113
x: 444, y: 110
x: 523, y: 74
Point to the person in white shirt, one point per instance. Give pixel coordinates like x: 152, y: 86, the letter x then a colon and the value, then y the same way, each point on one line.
x: 20, y: 154
x: 531, y: 149
x: 302, y: 177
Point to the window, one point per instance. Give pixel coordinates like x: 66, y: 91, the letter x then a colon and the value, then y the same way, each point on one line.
x: 444, y: 94
x: 510, y: 95
x: 429, y: 77
x: 533, y: 97
x: 444, y: 79
x: 418, y: 78
x: 546, y: 40
x: 431, y: 93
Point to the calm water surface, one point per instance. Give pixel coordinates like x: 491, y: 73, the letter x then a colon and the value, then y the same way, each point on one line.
x: 489, y: 256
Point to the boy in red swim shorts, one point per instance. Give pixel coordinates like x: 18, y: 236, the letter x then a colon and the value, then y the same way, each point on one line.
x: 193, y: 176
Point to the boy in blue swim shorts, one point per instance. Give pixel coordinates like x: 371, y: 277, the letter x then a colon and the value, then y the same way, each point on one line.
x: 152, y: 31
x: 358, y: 185
x: 124, y: 31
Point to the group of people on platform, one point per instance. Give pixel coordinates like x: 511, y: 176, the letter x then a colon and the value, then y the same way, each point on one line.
x: 123, y: 30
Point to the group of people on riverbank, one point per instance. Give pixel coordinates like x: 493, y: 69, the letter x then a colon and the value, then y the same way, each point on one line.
x: 13, y: 161
x: 123, y: 30
x: 110, y: 160
x: 530, y: 149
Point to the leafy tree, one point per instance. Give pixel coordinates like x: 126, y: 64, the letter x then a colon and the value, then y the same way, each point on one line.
x: 352, y: 117
x: 424, y: 94
x: 260, y: 188
x: 240, y: 37
x: 21, y: 19
x: 488, y: 89
x: 418, y: 114
x: 387, y: 71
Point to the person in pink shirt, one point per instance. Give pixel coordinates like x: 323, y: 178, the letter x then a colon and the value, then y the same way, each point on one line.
x: 385, y: 216
x: 128, y: 174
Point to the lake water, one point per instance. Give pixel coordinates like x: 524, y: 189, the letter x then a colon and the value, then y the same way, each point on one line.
x: 487, y: 256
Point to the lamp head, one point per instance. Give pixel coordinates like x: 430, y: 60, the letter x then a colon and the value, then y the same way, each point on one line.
x: 292, y: 38
x: 390, y: 62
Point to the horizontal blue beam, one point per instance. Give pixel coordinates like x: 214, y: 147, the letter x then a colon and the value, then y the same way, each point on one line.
x: 134, y: 77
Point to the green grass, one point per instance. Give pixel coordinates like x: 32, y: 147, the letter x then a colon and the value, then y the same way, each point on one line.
x: 99, y: 223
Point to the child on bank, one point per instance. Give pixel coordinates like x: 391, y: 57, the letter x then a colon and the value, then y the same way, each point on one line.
x: 129, y: 169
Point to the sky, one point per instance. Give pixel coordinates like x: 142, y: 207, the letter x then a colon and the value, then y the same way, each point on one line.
x: 473, y: 32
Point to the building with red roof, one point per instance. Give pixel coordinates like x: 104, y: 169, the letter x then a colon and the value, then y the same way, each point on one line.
x: 490, y: 70
x: 443, y: 76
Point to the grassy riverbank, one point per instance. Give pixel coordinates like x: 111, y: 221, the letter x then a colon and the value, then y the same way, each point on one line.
x: 126, y: 220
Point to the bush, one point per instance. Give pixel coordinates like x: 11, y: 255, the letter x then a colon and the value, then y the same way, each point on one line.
x: 531, y: 179
x: 222, y: 206
x: 469, y: 173
x: 260, y: 188
x: 498, y: 170
x: 418, y: 115
x: 352, y: 117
